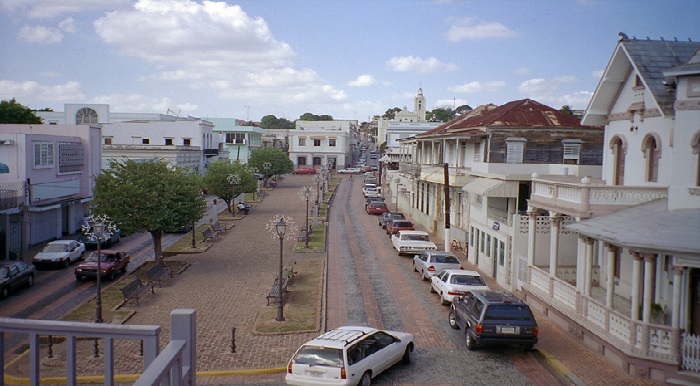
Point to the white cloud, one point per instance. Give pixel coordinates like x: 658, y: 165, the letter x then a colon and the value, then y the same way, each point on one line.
x: 565, y: 79
x: 362, y: 81
x: 43, y: 9
x: 522, y: 71
x: 476, y: 86
x: 31, y: 90
x: 451, y: 103
x: 548, y: 92
x: 467, y: 28
x: 143, y: 103
x: 67, y: 25
x: 40, y: 34
x: 419, y: 65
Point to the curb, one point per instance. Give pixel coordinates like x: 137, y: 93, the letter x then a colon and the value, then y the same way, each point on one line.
x: 558, y: 369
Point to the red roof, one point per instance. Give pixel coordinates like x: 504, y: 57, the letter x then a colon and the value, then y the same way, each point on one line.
x: 520, y: 113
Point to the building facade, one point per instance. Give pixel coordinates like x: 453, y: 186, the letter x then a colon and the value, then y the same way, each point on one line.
x: 238, y: 141
x: 314, y: 144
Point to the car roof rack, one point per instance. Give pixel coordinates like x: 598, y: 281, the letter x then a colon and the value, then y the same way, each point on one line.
x: 348, y: 336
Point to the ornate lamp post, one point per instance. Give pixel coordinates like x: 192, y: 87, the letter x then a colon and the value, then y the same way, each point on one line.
x: 267, y: 166
x: 98, y: 229
x: 305, y: 194
x: 317, y: 178
x: 281, y: 228
x: 234, y: 180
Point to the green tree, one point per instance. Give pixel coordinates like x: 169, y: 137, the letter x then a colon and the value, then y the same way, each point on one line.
x: 218, y: 183
x: 13, y: 112
x: 314, y: 117
x: 568, y: 110
x: 279, y: 162
x: 442, y: 114
x: 148, y: 196
x: 272, y: 122
x: 463, y: 109
x: 391, y: 113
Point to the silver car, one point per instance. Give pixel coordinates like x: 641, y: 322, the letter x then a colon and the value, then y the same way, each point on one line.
x: 429, y: 263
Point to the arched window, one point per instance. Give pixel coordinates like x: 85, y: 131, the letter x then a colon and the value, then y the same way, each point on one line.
x: 695, y: 146
x: 652, y: 152
x: 618, y: 146
x: 85, y: 116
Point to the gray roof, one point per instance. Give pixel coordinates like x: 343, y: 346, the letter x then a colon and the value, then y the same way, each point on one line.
x: 649, y: 227
x: 652, y: 58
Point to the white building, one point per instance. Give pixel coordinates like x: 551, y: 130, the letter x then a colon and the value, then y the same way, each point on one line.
x: 405, y: 123
x: 632, y: 294
x: 314, y: 144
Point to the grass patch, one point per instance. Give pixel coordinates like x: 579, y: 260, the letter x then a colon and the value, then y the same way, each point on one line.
x: 184, y: 244
x: 301, y: 312
x: 317, y: 241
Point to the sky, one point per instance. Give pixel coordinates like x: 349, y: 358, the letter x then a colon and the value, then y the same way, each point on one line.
x: 351, y: 59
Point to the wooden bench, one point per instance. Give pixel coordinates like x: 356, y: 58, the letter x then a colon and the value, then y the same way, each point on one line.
x: 135, y: 289
x: 221, y: 228
x: 210, y: 234
x: 157, y: 273
x: 274, y: 290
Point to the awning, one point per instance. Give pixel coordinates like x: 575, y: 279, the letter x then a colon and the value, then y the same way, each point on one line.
x: 490, y: 187
x: 4, y: 168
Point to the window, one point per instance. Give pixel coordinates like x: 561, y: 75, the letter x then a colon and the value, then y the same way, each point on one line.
x: 618, y: 149
x: 652, y: 154
x: 483, y: 238
x: 43, y: 155
x: 501, y: 253
x: 572, y: 151
x: 145, y: 141
x: 186, y: 141
x: 331, y: 142
x: 317, y: 142
x: 695, y: 148
x: 477, y: 152
x: 514, y: 150
x: 302, y: 141
x: 168, y: 141
x: 488, y: 245
x: 85, y: 116
x: 71, y: 157
x: 237, y: 138
x: 108, y: 140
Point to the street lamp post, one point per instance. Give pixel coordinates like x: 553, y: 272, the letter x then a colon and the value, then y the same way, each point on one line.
x: 305, y: 194
x: 267, y: 166
x: 233, y: 179
x: 316, y: 203
x: 98, y: 228
x: 281, y: 228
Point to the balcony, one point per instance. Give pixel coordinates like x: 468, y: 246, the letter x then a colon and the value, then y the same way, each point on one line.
x: 211, y: 152
x: 11, y: 194
x: 572, y: 197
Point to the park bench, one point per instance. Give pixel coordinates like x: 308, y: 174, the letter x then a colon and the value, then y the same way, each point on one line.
x: 135, y: 289
x: 210, y: 234
x: 274, y: 290
x: 302, y: 235
x: 157, y: 273
x: 220, y: 228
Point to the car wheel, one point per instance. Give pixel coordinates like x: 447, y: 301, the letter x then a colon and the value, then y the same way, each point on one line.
x: 527, y: 347
x: 30, y: 281
x: 423, y: 276
x: 366, y: 379
x: 124, y: 268
x: 66, y: 263
x: 471, y: 344
x: 4, y: 293
x: 432, y: 290
x: 406, y: 359
x: 453, y: 320
x: 443, y: 301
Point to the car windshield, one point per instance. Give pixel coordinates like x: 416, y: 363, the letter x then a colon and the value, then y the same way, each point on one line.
x: 445, y: 259
x: 508, y: 312
x: 467, y: 280
x: 56, y: 248
x: 319, y: 356
x: 93, y: 257
x: 401, y: 224
x: 417, y: 237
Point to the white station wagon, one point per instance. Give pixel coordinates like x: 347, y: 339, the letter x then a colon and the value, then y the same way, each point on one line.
x: 350, y: 355
x: 412, y: 242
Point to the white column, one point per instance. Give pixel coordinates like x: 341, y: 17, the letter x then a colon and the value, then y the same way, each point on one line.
x: 610, y: 286
x: 532, y: 235
x: 554, y: 220
x: 588, y: 278
x: 636, y: 279
x: 676, y: 301
x: 649, y: 263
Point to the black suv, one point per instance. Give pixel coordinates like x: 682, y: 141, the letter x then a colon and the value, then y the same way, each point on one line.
x: 490, y: 317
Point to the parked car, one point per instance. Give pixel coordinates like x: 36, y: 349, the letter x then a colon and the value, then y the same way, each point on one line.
x: 15, y: 275
x: 412, y: 242
x: 429, y: 263
x: 455, y: 282
x: 374, y: 168
x: 372, y: 192
x: 60, y: 253
x: 377, y: 207
x: 91, y: 243
x: 490, y: 317
x: 111, y: 263
x: 349, y: 355
x: 397, y: 225
x: 349, y: 171
x: 372, y: 199
x: 371, y: 180
x: 304, y: 171
x: 365, y: 187
x: 388, y: 217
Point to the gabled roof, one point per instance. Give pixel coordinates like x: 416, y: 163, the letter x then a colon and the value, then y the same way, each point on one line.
x: 650, y: 58
x: 520, y: 113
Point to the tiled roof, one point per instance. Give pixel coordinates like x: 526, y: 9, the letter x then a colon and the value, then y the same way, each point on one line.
x: 520, y: 113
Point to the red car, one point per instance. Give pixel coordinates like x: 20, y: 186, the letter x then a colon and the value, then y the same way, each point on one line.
x: 304, y: 171
x: 393, y: 227
x: 377, y: 207
x: 112, y: 262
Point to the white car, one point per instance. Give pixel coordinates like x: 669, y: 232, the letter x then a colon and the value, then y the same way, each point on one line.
x: 367, y: 187
x: 350, y: 171
x: 429, y: 263
x: 451, y: 283
x: 350, y: 355
x: 60, y: 252
x: 412, y: 242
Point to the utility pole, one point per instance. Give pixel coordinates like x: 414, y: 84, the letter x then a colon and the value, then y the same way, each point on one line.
x: 247, y: 114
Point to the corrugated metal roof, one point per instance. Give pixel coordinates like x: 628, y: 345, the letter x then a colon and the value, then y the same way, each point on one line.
x: 520, y: 113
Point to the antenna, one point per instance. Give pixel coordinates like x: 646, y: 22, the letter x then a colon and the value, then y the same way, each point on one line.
x: 247, y: 114
x: 173, y: 112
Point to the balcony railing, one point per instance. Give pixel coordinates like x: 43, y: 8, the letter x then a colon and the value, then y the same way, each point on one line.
x: 12, y: 194
x: 175, y: 365
x: 211, y: 152
x: 583, y: 200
